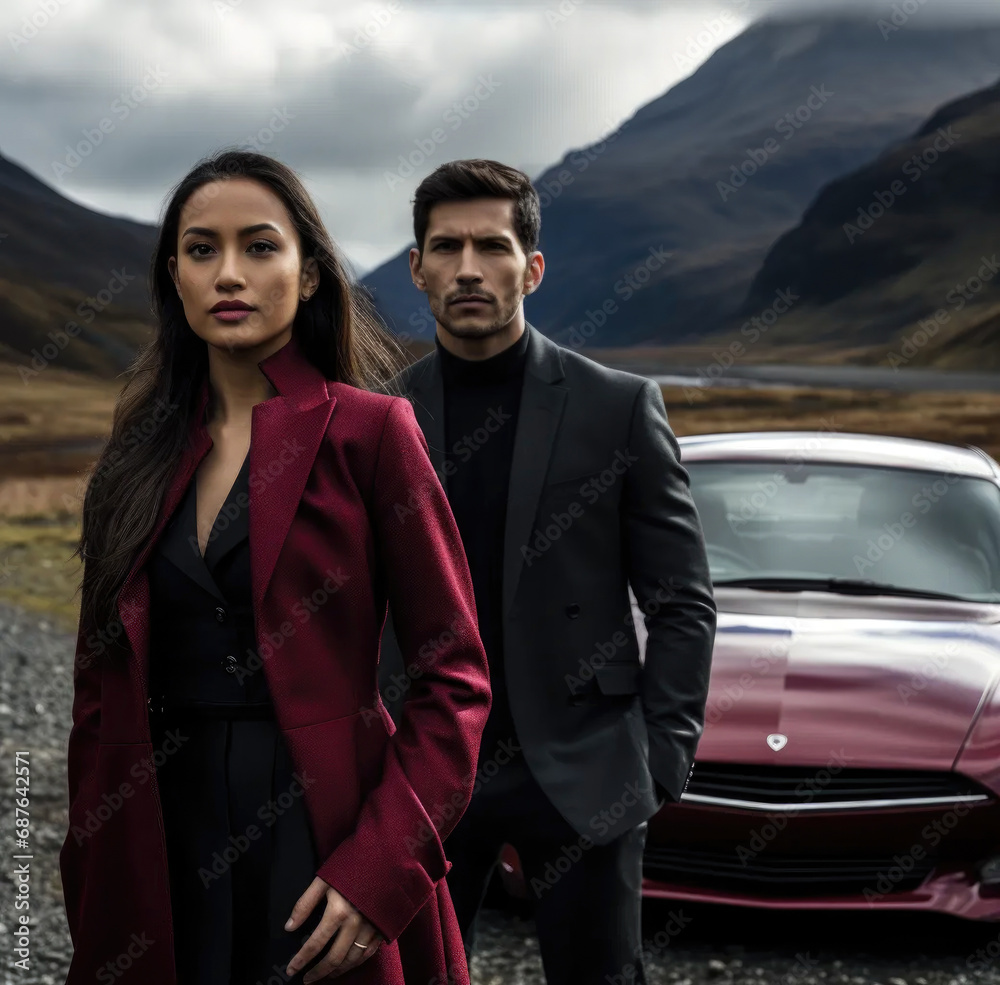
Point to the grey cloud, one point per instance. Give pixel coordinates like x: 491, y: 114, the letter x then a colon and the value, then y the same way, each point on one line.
x: 347, y: 118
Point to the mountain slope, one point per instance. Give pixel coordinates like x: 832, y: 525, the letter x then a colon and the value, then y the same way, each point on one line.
x: 715, y: 170
x: 900, y: 258
x: 70, y: 278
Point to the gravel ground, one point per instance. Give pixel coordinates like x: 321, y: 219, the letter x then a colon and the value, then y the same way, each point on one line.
x: 717, y: 945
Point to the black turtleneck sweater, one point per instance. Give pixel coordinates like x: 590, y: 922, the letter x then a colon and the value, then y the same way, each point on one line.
x: 481, y: 402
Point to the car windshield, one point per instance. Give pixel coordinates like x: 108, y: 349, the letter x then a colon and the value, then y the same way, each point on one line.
x: 794, y: 522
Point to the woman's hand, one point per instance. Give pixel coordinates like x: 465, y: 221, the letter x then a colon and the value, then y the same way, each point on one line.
x: 340, y: 916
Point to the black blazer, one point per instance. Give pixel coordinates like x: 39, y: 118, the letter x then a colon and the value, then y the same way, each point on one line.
x: 598, y: 502
x: 202, y: 640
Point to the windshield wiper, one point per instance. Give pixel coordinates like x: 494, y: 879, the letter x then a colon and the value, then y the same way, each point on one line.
x: 841, y: 586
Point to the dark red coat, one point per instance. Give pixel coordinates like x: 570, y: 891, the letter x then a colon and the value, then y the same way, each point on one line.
x: 346, y: 511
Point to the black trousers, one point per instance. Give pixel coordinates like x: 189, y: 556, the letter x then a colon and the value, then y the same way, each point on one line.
x: 586, y: 898
x: 240, y: 850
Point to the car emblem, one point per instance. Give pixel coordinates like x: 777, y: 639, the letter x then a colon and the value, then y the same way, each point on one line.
x: 777, y: 741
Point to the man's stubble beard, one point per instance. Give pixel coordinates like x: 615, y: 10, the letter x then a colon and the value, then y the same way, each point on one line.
x: 503, y: 318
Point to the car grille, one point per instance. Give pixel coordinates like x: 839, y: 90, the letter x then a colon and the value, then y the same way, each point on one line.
x: 813, y: 788
x: 776, y: 875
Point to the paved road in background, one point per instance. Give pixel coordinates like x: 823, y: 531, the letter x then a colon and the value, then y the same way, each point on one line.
x: 849, y: 377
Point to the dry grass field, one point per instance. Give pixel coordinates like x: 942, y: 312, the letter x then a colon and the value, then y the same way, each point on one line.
x: 952, y: 417
x: 52, y: 428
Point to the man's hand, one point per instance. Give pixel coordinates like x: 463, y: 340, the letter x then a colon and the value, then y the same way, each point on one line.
x: 341, y: 918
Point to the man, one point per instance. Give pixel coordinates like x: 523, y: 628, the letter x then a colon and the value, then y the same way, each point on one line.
x: 565, y: 481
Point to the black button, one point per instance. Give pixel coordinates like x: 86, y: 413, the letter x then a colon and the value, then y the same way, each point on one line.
x: 573, y: 610
x: 220, y: 613
x: 230, y: 664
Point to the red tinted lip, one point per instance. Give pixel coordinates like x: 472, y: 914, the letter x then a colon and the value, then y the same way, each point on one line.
x: 466, y: 298
x: 232, y: 306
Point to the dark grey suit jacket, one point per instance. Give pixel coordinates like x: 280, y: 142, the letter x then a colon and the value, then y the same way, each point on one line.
x: 598, y: 501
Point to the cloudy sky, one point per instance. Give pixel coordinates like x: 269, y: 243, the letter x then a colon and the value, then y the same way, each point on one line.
x: 112, y: 101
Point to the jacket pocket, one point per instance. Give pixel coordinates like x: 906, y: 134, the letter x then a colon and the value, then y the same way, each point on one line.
x: 618, y: 678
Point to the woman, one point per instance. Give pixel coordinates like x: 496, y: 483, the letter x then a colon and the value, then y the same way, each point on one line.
x: 242, y: 809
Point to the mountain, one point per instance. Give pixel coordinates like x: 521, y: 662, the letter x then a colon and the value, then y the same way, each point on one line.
x: 899, y: 260
x: 667, y: 220
x: 70, y: 278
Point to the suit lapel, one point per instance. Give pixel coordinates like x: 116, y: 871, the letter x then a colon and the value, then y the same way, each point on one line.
x: 542, y: 400
x: 180, y: 546
x: 285, y: 444
x: 286, y: 433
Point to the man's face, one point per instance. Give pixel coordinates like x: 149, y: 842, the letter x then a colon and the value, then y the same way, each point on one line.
x: 473, y: 269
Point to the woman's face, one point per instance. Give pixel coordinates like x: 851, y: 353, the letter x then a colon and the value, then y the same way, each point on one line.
x: 238, y: 268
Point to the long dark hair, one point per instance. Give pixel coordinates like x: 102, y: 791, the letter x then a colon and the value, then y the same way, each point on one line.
x: 337, y: 329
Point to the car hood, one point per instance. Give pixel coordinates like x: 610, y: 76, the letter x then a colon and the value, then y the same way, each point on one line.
x: 873, y: 681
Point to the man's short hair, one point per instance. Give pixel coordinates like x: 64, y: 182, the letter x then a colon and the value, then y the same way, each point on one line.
x: 457, y: 181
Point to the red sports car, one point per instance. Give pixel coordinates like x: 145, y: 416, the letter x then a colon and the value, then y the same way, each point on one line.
x: 851, y: 751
